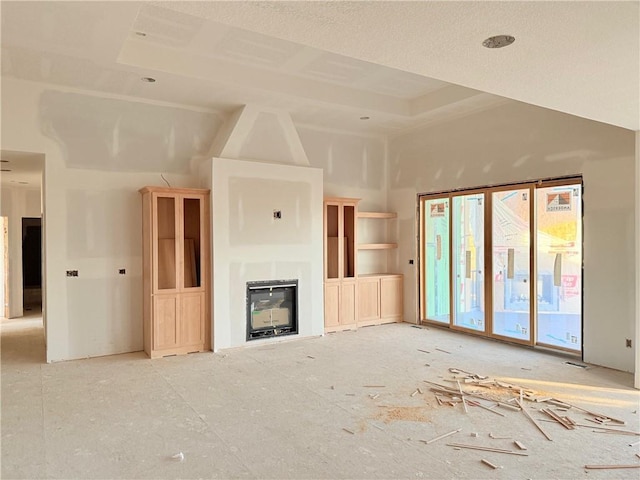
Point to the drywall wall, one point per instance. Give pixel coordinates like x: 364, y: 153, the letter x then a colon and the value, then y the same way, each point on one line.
x: 354, y: 166
x: 637, y: 306
x: 250, y: 245
x: 92, y: 219
x: 518, y: 142
x: 15, y: 204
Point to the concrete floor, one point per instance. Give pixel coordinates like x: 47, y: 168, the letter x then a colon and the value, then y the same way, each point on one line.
x: 280, y: 411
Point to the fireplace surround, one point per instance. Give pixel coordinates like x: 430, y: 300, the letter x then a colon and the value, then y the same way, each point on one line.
x: 272, y: 308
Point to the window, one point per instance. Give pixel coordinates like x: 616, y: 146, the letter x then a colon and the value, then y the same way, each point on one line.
x: 481, y: 249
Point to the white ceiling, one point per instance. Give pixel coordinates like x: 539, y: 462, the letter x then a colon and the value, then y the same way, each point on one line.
x: 21, y: 169
x: 330, y: 63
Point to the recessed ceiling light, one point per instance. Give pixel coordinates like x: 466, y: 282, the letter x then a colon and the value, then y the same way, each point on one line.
x: 148, y: 79
x: 141, y: 34
x: 498, y: 41
x: 365, y: 118
x: 4, y: 170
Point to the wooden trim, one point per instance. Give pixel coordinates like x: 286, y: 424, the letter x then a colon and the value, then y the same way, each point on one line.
x: 533, y: 267
x: 341, y: 328
x: 377, y: 246
x: 178, y: 351
x: 380, y: 275
x: 576, y: 353
x: 175, y: 191
x: 488, y: 262
x: 378, y: 215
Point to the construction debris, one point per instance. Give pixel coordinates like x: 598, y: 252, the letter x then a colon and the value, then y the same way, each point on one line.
x: 487, y: 462
x: 444, y: 351
x: 520, y: 445
x: 487, y: 449
x: 441, y: 436
x: 348, y: 431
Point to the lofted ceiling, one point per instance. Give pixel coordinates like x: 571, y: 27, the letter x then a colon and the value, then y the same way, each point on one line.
x: 401, y: 65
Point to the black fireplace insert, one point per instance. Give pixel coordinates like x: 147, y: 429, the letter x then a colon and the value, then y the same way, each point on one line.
x: 272, y: 308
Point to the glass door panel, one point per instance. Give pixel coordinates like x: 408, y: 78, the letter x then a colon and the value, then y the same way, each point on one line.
x: 559, y: 266
x: 436, y: 254
x: 331, y: 241
x: 468, y: 261
x: 166, y: 271
x: 191, y: 242
x: 511, y: 251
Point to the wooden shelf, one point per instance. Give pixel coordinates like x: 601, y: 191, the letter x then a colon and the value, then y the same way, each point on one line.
x: 377, y: 246
x: 378, y: 215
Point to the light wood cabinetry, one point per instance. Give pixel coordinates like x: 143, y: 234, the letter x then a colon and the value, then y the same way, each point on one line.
x: 352, y: 300
x: 340, y: 263
x: 176, y: 304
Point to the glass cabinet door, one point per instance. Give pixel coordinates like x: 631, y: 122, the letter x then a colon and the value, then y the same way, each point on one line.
x: 166, y: 238
x: 468, y: 261
x: 192, y: 241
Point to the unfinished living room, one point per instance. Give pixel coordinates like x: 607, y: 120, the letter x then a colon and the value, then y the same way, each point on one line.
x: 320, y: 240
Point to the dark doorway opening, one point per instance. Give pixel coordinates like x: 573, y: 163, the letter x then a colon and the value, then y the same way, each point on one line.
x: 32, y: 263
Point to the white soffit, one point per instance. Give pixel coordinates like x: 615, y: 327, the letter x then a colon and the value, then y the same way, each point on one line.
x: 580, y: 57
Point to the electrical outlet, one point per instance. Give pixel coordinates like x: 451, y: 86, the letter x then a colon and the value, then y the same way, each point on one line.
x: 628, y: 342
x: 122, y: 271
x: 411, y: 262
x: 277, y: 214
x: 72, y: 273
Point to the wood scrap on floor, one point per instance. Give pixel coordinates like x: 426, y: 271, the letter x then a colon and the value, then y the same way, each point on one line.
x: 487, y: 449
x: 533, y: 420
x: 520, y: 445
x: 487, y: 462
x: 453, y: 432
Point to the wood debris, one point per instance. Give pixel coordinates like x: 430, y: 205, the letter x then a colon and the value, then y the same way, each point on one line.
x: 534, y: 421
x: 424, y: 351
x: 453, y: 432
x: 487, y: 462
x: 520, y: 445
x: 348, y: 431
x: 444, y: 351
x: 487, y: 449
x: 491, y: 435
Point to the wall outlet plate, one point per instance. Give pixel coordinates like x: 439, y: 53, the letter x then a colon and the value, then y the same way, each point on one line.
x: 277, y: 214
x: 72, y: 273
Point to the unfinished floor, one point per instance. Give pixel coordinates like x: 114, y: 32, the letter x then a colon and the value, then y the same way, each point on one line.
x: 341, y: 406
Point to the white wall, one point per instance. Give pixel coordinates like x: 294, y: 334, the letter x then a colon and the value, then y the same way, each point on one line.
x: 15, y: 204
x: 92, y: 219
x: 636, y: 340
x: 249, y: 245
x: 518, y: 142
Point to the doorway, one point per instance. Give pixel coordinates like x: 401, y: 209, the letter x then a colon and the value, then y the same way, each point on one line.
x: 32, y: 264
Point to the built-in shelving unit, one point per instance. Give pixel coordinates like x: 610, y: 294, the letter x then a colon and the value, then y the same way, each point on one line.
x: 351, y: 299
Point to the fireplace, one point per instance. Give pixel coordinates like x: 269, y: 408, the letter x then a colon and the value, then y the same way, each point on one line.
x: 272, y: 308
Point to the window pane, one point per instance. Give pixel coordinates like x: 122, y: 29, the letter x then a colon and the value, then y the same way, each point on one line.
x: 511, y: 250
x: 559, y: 263
x: 468, y: 261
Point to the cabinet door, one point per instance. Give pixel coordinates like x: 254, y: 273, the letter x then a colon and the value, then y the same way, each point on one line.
x: 391, y: 297
x: 348, y: 303
x: 331, y: 305
x: 192, y: 308
x: 165, y: 242
x: 165, y: 327
x: 368, y: 299
x: 193, y: 242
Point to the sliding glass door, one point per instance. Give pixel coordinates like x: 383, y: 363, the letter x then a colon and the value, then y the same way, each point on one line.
x: 505, y: 262
x: 559, y: 265
x: 468, y: 261
x: 435, y: 219
x: 511, y: 252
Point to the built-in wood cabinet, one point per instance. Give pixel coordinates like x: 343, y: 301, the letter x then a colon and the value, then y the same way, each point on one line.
x: 340, y: 263
x: 350, y: 299
x: 176, y: 266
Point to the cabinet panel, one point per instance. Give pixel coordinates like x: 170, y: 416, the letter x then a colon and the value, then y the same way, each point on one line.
x: 331, y: 305
x: 391, y: 297
x: 368, y: 299
x: 165, y: 231
x: 348, y: 303
x: 192, y: 319
x: 165, y: 328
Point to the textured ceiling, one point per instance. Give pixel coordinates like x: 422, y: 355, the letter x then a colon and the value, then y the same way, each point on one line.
x: 403, y: 64
x: 581, y: 58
